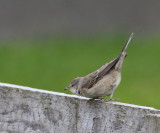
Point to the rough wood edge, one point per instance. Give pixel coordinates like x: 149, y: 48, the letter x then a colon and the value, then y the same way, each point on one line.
x: 73, y: 96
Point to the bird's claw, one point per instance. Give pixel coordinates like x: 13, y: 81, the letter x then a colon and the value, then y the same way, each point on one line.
x: 110, y: 99
x: 102, y: 99
x: 93, y: 99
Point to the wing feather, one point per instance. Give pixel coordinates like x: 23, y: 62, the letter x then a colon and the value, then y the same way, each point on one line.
x: 94, y: 77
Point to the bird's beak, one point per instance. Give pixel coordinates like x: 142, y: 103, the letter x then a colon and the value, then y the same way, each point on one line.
x: 66, y: 88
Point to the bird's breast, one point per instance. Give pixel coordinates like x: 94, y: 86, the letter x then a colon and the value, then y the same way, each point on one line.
x: 105, y: 86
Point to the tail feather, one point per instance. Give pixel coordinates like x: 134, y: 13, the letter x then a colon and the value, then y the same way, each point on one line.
x: 122, y: 55
x: 126, y: 45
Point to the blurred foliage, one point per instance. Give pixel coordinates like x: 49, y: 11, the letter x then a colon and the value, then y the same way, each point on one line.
x: 51, y: 64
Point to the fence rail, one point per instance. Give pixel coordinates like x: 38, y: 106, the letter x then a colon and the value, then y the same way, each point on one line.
x: 28, y: 110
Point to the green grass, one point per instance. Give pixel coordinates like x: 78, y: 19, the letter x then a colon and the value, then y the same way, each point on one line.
x: 51, y: 64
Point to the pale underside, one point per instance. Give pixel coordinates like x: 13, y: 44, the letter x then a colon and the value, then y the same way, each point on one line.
x: 103, y: 87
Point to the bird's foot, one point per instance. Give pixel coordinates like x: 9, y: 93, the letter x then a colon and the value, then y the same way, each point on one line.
x: 93, y: 99
x: 110, y: 99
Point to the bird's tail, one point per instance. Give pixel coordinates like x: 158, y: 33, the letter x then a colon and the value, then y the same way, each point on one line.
x: 126, y: 45
x: 122, y: 54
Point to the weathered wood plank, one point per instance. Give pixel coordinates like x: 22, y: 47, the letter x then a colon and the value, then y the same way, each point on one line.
x: 27, y: 110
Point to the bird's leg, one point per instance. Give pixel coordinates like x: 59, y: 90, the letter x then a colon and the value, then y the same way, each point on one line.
x: 110, y: 99
x: 114, y: 87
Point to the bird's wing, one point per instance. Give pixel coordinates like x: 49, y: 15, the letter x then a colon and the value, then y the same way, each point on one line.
x: 93, y: 78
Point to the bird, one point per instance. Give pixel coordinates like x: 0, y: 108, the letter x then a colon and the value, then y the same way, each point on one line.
x: 103, y: 81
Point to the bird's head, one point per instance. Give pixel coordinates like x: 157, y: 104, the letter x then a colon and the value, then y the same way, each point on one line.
x: 73, y: 87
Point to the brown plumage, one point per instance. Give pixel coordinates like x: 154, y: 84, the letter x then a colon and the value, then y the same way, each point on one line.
x: 103, y: 81
x: 94, y: 77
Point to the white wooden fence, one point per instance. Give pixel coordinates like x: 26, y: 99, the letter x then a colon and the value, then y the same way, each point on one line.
x: 27, y: 110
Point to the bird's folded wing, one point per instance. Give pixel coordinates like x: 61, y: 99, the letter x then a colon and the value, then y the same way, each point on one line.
x: 94, y: 77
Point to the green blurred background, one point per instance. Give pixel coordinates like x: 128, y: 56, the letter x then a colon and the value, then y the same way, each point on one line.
x: 46, y: 44
x: 52, y: 64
